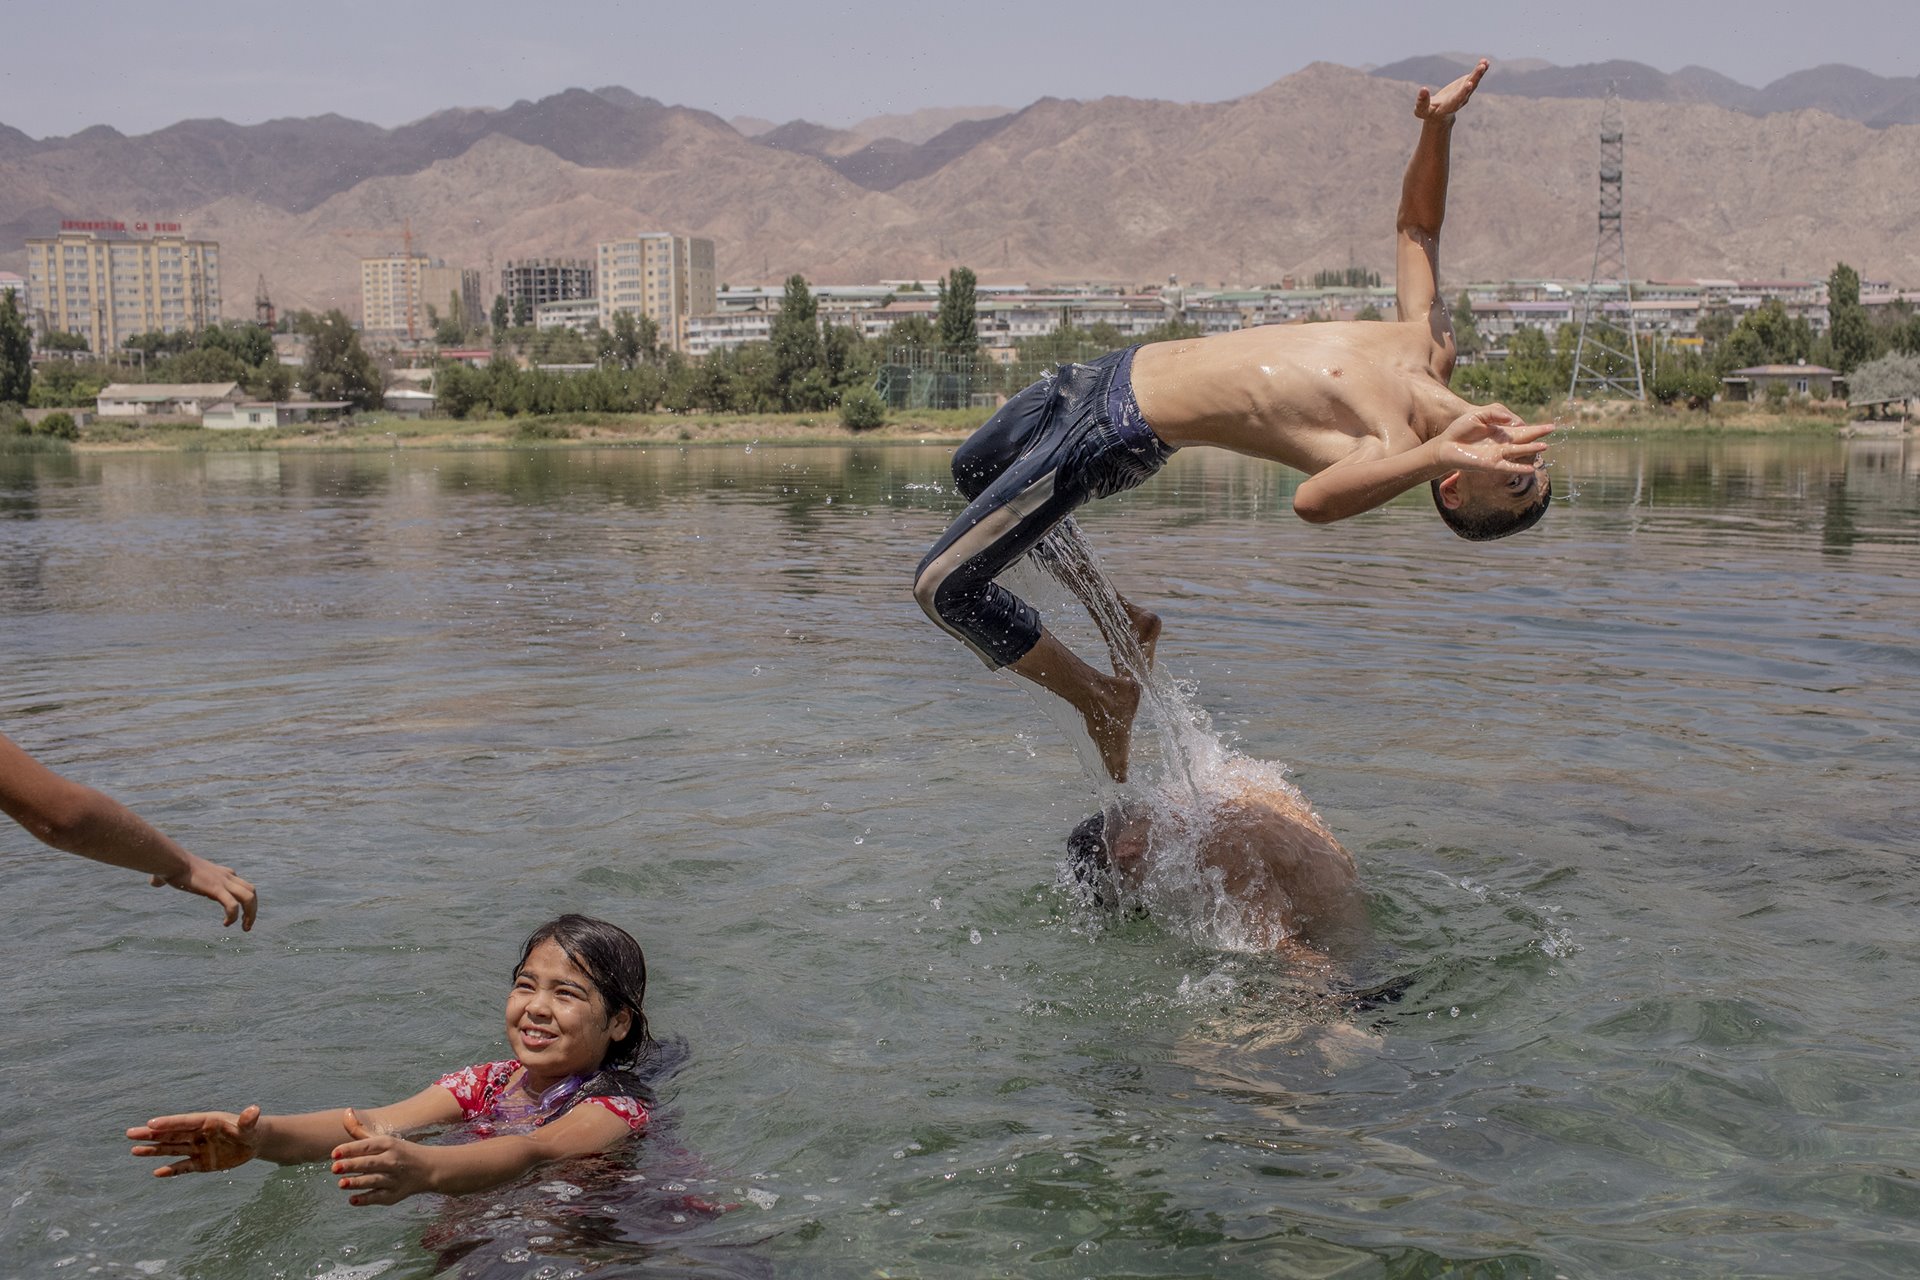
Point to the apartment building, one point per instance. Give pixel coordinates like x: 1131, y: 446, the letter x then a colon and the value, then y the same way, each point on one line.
x: 397, y: 288
x: 544, y: 280
x: 668, y: 277
x: 108, y: 280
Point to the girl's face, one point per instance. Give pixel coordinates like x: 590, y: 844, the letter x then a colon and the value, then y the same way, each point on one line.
x: 557, y: 1021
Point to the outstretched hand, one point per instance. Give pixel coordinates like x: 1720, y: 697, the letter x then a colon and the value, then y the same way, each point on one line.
x: 1491, y: 438
x: 223, y: 885
x: 207, y: 1141
x: 1431, y: 106
x: 379, y: 1168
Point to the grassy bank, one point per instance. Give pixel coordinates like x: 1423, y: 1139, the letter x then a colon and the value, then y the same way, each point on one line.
x: 595, y: 429
x: 946, y: 426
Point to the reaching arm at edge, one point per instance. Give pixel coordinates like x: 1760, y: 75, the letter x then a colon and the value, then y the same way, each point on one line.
x: 78, y: 819
x: 207, y: 1141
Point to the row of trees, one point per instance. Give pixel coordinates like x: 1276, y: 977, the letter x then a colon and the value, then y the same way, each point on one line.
x: 1537, y: 369
x: 336, y: 368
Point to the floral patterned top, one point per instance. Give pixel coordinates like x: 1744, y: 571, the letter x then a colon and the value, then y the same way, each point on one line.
x: 480, y: 1091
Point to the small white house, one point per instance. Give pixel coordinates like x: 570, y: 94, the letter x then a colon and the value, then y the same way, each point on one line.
x: 163, y: 399
x: 263, y: 415
x: 408, y: 403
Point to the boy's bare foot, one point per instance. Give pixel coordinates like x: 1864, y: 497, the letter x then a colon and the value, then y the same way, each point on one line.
x: 1109, y: 722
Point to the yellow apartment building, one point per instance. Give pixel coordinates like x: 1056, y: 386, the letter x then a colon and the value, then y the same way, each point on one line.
x: 397, y: 288
x: 108, y: 280
x: 657, y: 274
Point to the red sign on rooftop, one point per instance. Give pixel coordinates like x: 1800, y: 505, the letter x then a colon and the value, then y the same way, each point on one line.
x: 115, y: 224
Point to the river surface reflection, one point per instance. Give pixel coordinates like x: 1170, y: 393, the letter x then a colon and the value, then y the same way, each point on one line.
x: 1634, y: 797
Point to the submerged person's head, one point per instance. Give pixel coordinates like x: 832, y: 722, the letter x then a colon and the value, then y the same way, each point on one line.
x: 578, y: 998
x: 1483, y: 505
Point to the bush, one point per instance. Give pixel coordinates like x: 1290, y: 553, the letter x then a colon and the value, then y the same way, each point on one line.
x: 58, y: 426
x: 862, y: 409
x: 542, y: 429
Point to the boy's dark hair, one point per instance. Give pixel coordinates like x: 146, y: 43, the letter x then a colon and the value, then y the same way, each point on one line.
x: 1090, y: 864
x: 1485, y: 526
x: 618, y: 968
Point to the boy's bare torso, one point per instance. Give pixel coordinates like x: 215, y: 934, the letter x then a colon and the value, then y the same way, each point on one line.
x: 1304, y: 395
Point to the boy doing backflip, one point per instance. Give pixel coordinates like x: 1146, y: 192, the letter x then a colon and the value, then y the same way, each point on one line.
x: 1363, y: 408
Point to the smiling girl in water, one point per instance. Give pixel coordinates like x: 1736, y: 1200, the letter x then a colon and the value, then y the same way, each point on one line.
x: 577, y: 1031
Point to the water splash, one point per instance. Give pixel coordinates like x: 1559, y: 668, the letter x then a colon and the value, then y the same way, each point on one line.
x: 1182, y: 770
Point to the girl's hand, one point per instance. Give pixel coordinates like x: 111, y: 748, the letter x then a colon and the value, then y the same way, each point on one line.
x: 208, y: 1140
x: 378, y: 1167
x: 1490, y: 438
x: 222, y: 884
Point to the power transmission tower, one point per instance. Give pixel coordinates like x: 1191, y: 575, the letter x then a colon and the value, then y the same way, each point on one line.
x: 1607, y: 358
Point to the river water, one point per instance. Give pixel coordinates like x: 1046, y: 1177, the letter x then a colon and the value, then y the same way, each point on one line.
x: 1633, y: 796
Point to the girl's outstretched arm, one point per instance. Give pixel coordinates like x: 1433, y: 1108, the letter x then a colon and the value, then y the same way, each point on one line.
x: 380, y: 1168
x: 206, y: 1141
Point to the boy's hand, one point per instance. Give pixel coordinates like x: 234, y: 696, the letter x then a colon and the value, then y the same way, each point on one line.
x: 208, y: 1140
x: 1490, y: 438
x: 1438, y: 106
x: 378, y: 1167
x: 222, y: 884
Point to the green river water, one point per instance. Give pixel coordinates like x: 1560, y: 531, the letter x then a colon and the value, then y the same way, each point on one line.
x: 1633, y: 795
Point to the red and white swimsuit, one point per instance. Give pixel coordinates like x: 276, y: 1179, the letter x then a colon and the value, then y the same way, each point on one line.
x: 480, y: 1090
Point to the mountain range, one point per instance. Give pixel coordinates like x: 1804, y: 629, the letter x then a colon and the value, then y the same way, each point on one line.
x: 1721, y: 180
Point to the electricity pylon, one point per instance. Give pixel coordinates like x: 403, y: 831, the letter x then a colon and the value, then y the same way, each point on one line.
x: 1607, y: 357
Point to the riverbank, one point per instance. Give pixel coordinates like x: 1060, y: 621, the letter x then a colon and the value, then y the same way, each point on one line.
x: 924, y: 426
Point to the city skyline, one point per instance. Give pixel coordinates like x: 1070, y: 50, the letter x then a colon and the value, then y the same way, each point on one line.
x: 842, y: 63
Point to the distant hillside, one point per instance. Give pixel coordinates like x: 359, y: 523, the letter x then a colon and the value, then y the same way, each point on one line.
x: 1298, y: 176
x: 1846, y: 92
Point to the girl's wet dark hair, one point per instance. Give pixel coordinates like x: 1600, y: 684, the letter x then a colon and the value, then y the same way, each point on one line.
x: 613, y: 960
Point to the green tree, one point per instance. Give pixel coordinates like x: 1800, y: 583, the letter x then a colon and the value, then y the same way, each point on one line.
x: 1765, y: 335
x: 1848, y: 329
x: 861, y: 409
x: 58, y: 425
x: 916, y: 332
x: 61, y: 340
x: 502, y: 315
x: 958, y: 319
x: 522, y: 311
x: 457, y: 389
x: 16, y: 354
x: 1467, y: 342
x: 634, y: 339
x: 797, y: 350
x: 338, y: 368
x: 1894, y: 376
x: 1369, y: 312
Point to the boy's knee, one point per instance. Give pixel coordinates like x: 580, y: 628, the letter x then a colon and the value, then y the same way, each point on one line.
x: 926, y: 589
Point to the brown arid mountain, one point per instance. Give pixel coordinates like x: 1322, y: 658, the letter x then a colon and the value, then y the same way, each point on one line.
x: 1302, y: 175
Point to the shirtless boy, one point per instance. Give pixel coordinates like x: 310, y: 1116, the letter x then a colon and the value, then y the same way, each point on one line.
x: 1363, y: 408
x: 1292, y: 886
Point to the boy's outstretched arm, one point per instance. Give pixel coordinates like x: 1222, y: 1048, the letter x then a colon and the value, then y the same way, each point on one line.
x: 78, y: 819
x: 1489, y: 438
x: 1423, y: 207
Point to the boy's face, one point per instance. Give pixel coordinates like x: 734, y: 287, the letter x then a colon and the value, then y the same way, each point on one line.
x: 1489, y: 491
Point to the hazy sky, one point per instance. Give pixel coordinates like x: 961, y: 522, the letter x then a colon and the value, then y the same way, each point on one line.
x: 837, y: 61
